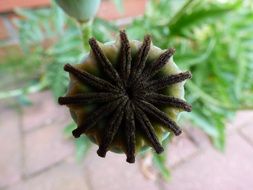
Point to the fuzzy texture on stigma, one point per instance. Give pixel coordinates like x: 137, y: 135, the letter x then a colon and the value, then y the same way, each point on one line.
x: 126, y: 95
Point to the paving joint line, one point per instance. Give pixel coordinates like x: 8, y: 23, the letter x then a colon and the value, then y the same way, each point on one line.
x: 245, y: 138
x: 48, y: 168
x: 41, y: 126
x: 188, y: 158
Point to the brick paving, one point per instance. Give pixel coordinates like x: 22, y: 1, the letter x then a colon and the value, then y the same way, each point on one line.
x: 10, y: 156
x: 242, y: 118
x: 114, y: 173
x: 35, y: 155
x: 63, y: 176
x: 214, y: 170
x: 247, y: 132
x: 180, y: 150
x: 45, y: 147
x: 3, y: 31
x: 43, y: 112
x: 197, y: 136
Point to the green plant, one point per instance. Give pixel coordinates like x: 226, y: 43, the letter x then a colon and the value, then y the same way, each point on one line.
x: 204, y: 45
x: 48, y: 45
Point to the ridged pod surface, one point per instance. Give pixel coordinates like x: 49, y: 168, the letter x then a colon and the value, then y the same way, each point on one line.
x: 126, y: 95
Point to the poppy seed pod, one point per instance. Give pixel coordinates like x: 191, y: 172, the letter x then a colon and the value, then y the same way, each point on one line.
x: 81, y: 10
x: 126, y: 95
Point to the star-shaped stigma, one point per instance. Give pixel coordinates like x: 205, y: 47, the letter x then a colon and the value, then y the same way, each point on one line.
x: 129, y: 95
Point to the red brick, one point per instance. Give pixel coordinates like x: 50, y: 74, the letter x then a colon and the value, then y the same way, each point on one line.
x: 180, y: 149
x: 214, y: 170
x: 132, y: 8
x: 107, y: 10
x: 7, y: 5
x: 114, y: 173
x: 10, y: 146
x: 67, y: 176
x: 43, y: 111
x: 45, y: 147
x: 3, y: 31
x: 197, y: 136
x: 247, y: 132
x: 241, y: 119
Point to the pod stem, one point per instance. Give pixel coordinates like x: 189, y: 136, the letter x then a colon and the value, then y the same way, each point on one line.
x: 86, y: 29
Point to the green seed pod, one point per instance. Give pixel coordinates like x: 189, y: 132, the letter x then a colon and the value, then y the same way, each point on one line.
x: 82, y: 10
x: 126, y: 95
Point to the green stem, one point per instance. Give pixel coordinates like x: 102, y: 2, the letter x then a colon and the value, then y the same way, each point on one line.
x: 86, y: 29
x: 180, y: 12
x: 27, y: 90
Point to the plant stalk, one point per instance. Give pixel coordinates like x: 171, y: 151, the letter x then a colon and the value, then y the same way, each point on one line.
x: 86, y: 30
x: 28, y: 90
x: 180, y: 12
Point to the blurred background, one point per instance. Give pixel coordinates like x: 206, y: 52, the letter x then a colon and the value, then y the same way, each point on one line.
x: 213, y: 39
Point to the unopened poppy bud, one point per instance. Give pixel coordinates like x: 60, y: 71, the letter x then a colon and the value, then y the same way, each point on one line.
x: 81, y: 10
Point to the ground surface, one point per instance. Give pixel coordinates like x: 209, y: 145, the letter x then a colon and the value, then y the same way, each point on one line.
x: 35, y: 155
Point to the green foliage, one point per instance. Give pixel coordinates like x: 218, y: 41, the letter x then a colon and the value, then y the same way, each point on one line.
x: 57, y: 79
x: 43, y: 34
x: 82, y: 144
x: 210, y: 43
x: 159, y: 160
x: 214, y: 41
x: 194, y: 13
